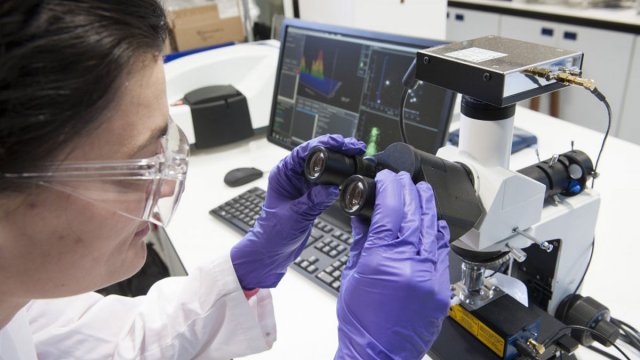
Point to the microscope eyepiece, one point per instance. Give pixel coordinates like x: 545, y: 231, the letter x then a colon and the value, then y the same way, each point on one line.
x: 316, y: 164
x: 328, y: 167
x: 358, y: 196
x: 354, y: 196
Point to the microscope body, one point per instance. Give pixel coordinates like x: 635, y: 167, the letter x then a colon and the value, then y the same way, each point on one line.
x: 549, y: 236
x: 540, y: 220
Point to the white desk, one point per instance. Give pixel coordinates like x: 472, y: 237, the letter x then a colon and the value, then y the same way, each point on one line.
x: 306, y: 316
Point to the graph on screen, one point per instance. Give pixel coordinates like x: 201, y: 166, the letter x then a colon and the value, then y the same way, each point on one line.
x: 312, y: 74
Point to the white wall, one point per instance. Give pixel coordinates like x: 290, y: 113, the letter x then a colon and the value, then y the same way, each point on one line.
x: 419, y: 18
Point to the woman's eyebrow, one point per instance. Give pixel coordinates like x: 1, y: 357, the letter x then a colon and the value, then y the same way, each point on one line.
x: 152, y: 139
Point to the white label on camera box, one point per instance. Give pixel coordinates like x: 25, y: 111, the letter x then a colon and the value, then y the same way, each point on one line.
x: 475, y: 54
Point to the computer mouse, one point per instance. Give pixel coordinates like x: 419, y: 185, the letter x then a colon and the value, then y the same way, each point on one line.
x: 241, y: 176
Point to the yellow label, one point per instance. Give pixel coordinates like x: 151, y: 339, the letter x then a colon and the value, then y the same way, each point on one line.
x: 482, y: 332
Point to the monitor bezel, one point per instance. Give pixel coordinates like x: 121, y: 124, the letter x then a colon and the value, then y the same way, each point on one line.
x: 419, y: 43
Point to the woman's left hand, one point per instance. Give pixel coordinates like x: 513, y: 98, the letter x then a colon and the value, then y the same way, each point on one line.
x: 292, y: 204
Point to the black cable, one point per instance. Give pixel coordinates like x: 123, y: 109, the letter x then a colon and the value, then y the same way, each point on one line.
x: 632, y: 337
x: 637, y: 333
x: 627, y: 329
x: 584, y: 274
x: 603, y: 353
x: 602, y: 98
x: 500, y: 269
x: 403, y: 100
x: 629, y: 340
x: 629, y: 334
x: 409, y: 82
x: 558, y: 334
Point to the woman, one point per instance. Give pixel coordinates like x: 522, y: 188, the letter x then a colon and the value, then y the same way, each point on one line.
x: 88, y: 160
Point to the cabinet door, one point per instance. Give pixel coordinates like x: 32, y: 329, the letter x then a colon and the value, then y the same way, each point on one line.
x: 418, y: 18
x: 464, y: 24
x: 629, y: 128
x: 607, y: 57
x: 531, y: 30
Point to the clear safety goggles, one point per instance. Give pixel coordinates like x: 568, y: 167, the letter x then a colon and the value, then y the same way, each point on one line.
x: 143, y: 189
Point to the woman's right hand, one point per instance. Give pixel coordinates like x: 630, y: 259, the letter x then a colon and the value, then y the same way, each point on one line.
x: 395, y: 288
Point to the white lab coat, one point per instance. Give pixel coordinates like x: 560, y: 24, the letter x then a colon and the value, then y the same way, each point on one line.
x: 202, y: 316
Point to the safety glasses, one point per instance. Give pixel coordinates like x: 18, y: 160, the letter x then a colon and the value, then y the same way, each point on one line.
x: 143, y: 189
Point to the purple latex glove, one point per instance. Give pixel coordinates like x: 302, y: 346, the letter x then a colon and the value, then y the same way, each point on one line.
x: 292, y: 204
x: 395, y: 288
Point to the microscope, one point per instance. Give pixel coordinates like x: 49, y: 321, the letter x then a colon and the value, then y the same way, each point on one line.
x: 542, y: 216
x: 539, y: 221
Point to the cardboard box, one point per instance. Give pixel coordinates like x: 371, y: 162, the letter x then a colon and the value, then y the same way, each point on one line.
x: 202, y: 26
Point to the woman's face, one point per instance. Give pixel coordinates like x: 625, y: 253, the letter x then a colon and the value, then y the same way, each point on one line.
x: 53, y: 243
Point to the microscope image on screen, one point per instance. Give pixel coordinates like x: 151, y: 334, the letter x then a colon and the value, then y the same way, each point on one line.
x: 329, y: 84
x: 327, y: 72
x: 313, y: 76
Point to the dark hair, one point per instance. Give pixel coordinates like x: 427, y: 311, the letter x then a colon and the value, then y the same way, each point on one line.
x: 60, y: 64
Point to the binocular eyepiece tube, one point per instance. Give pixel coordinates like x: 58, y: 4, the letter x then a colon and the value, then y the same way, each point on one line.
x: 453, y: 188
x: 358, y: 196
x: 353, y: 174
x: 328, y: 167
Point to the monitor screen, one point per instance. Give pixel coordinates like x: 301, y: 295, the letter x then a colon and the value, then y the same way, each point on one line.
x: 333, y: 80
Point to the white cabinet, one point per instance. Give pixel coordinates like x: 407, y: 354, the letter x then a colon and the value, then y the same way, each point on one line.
x: 606, y: 60
x: 607, y: 55
x: 531, y: 30
x: 418, y: 18
x: 630, y: 122
x: 465, y: 24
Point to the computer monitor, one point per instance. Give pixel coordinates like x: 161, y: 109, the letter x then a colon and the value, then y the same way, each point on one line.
x: 336, y: 80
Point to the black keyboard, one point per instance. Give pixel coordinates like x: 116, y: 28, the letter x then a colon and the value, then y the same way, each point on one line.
x: 327, y: 249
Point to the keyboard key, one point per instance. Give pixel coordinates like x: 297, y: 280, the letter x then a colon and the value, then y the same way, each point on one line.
x: 326, y: 278
x: 312, y: 260
x: 330, y: 269
x: 326, y: 249
x: 344, y: 259
x: 298, y: 260
x: 333, y: 253
x: 311, y: 269
x: 304, y: 264
x: 315, y: 235
x: 336, y: 285
x: 336, y: 274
